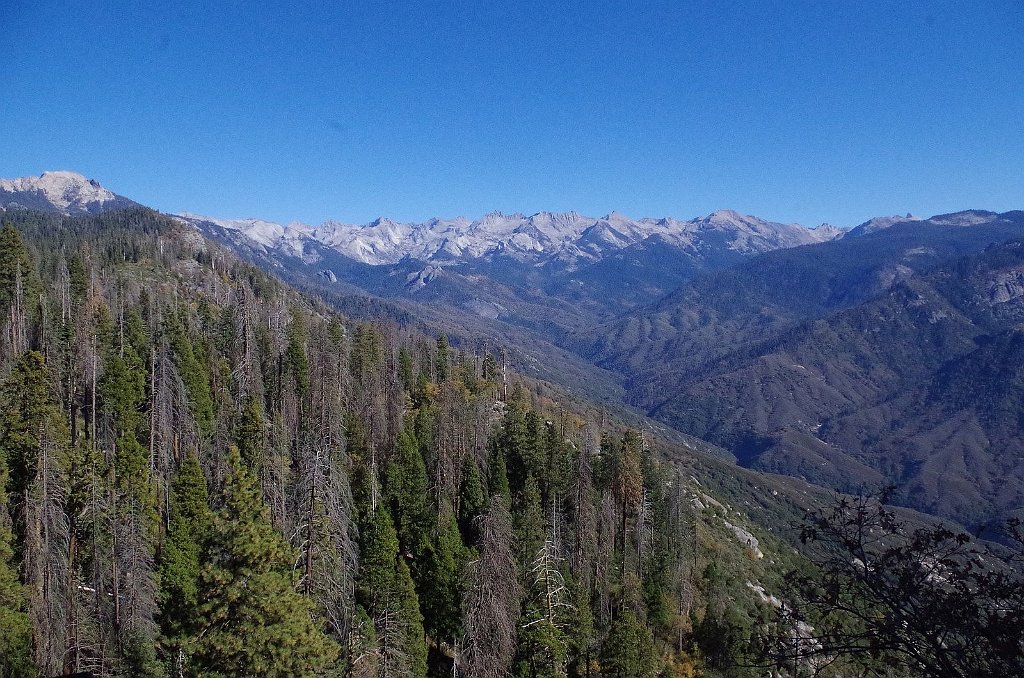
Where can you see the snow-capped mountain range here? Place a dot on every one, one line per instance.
(567, 236)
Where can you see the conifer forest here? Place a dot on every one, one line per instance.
(207, 473)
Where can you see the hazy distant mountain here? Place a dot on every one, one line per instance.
(549, 273)
(65, 192)
(884, 358)
(568, 237)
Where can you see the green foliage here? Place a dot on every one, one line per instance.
(542, 647)
(929, 601)
(193, 373)
(628, 651)
(250, 433)
(411, 637)
(255, 623)
(123, 400)
(15, 268)
(405, 370)
(30, 420)
(515, 443)
(139, 657)
(530, 520)
(498, 481)
(443, 358)
(378, 548)
(181, 556)
(386, 591)
(472, 502)
(379, 531)
(579, 629)
(296, 361)
(406, 493)
(441, 582)
(15, 629)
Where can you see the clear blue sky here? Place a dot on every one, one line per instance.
(795, 111)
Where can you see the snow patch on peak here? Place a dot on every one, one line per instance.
(566, 236)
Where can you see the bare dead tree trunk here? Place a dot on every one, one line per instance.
(491, 606)
(46, 557)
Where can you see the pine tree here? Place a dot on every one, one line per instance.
(255, 621)
(579, 630)
(472, 502)
(413, 649)
(180, 561)
(15, 628)
(441, 583)
(296, 361)
(628, 651)
(131, 497)
(386, 591)
(250, 434)
(407, 495)
(13, 261)
(193, 374)
(34, 445)
(498, 481)
(405, 369)
(529, 521)
(29, 414)
(443, 358)
(123, 392)
(18, 286)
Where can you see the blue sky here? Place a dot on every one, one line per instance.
(795, 111)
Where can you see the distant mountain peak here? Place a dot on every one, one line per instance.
(726, 214)
(62, 191)
(878, 223)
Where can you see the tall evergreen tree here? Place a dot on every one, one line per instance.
(255, 623)
(19, 288)
(628, 651)
(15, 628)
(34, 443)
(529, 521)
(385, 590)
(442, 358)
(181, 556)
(250, 433)
(296, 361)
(472, 501)
(407, 494)
(441, 582)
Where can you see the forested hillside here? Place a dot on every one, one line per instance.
(888, 358)
(203, 472)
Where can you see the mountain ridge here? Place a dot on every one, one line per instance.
(568, 236)
(63, 191)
